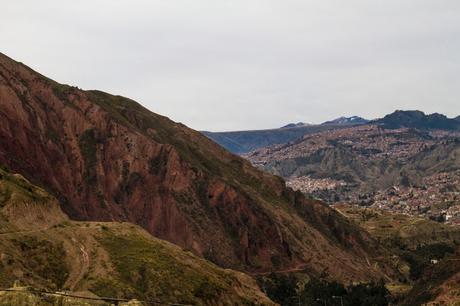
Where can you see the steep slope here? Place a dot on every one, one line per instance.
(107, 158)
(41, 247)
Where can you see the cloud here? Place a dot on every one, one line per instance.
(225, 65)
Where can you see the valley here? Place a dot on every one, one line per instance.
(147, 208)
(102, 199)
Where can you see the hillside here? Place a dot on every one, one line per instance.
(406, 170)
(418, 242)
(401, 231)
(439, 285)
(106, 158)
(42, 248)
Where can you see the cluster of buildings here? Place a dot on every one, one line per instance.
(368, 141)
(307, 184)
(438, 198)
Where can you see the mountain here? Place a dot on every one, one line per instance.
(240, 142)
(41, 247)
(295, 125)
(243, 142)
(107, 158)
(418, 120)
(347, 121)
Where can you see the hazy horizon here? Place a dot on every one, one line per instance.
(223, 66)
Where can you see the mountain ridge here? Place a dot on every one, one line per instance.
(347, 121)
(295, 125)
(243, 142)
(419, 120)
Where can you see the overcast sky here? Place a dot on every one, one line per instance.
(247, 64)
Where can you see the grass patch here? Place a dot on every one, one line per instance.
(44, 258)
(150, 270)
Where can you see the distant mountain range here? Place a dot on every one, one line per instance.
(353, 120)
(295, 125)
(241, 142)
(419, 120)
(348, 121)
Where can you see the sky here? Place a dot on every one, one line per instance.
(222, 65)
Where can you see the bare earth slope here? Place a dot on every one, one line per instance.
(106, 158)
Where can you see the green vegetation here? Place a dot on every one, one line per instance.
(298, 290)
(432, 281)
(52, 135)
(29, 296)
(88, 148)
(44, 258)
(401, 232)
(109, 259)
(420, 258)
(151, 272)
(14, 188)
(127, 185)
(62, 91)
(414, 242)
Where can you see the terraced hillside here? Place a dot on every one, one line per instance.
(428, 251)
(399, 230)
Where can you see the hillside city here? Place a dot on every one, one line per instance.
(435, 196)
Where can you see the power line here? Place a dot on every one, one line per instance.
(105, 299)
